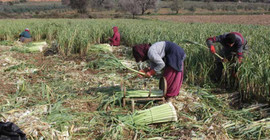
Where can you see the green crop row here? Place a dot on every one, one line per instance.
(31, 7)
(76, 36)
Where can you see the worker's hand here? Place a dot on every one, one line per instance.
(147, 69)
(141, 76)
(225, 60)
(150, 73)
(239, 60)
(212, 49)
(234, 74)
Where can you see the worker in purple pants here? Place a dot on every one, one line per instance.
(174, 57)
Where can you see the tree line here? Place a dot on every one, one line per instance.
(136, 7)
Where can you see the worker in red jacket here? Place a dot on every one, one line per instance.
(234, 48)
(115, 40)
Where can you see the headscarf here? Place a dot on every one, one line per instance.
(26, 29)
(140, 52)
(115, 29)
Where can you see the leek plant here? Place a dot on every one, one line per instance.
(77, 36)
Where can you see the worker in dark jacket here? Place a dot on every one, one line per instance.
(174, 63)
(25, 36)
(234, 47)
(233, 44)
(115, 40)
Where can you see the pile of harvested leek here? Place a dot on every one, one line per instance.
(157, 114)
(106, 59)
(133, 70)
(30, 47)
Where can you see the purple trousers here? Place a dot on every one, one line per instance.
(174, 80)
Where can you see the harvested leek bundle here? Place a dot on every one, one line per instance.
(157, 114)
(31, 47)
(100, 48)
(143, 93)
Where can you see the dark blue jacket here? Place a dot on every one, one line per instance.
(174, 55)
(238, 47)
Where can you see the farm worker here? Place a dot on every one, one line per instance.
(174, 64)
(25, 36)
(115, 40)
(234, 47)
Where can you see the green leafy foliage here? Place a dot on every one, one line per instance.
(75, 36)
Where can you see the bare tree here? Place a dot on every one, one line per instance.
(109, 4)
(79, 5)
(208, 1)
(65, 2)
(146, 4)
(130, 6)
(137, 6)
(99, 4)
(176, 5)
(96, 4)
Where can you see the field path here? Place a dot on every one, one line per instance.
(230, 19)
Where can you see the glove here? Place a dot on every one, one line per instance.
(150, 73)
(240, 60)
(212, 49)
(139, 75)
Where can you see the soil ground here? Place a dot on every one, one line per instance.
(229, 19)
(69, 100)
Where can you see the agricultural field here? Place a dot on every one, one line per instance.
(33, 10)
(76, 93)
(31, 7)
(228, 19)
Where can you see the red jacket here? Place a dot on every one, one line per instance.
(115, 40)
